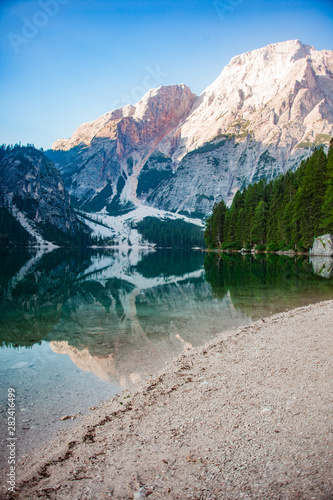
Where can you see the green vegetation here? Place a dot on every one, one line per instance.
(155, 170)
(27, 205)
(319, 140)
(286, 213)
(194, 215)
(11, 231)
(158, 157)
(210, 146)
(79, 238)
(101, 200)
(149, 180)
(26, 160)
(130, 165)
(171, 233)
(116, 207)
(98, 201)
(322, 139)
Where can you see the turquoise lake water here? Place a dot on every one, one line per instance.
(76, 327)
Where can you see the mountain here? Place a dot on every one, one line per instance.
(180, 152)
(102, 161)
(34, 204)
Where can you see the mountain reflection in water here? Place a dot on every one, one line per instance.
(121, 315)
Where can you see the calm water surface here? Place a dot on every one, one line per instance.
(76, 327)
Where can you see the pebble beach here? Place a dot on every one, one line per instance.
(246, 416)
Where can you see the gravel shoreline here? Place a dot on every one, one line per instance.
(246, 416)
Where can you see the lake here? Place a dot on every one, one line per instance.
(76, 327)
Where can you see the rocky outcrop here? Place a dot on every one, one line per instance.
(323, 245)
(32, 190)
(184, 153)
(109, 153)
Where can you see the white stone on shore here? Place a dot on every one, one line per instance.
(323, 245)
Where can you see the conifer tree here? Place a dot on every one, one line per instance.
(327, 207)
(259, 223)
(289, 211)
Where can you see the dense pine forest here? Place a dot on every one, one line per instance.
(171, 233)
(286, 213)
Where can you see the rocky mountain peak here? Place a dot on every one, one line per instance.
(258, 92)
(180, 152)
(160, 109)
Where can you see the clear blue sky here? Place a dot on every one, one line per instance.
(65, 62)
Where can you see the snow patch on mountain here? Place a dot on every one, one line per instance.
(121, 229)
(28, 224)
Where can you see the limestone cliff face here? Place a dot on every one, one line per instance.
(281, 94)
(180, 152)
(33, 191)
(111, 151)
(258, 119)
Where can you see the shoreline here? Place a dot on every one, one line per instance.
(287, 253)
(246, 415)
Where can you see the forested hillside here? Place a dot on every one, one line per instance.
(282, 214)
(34, 204)
(171, 233)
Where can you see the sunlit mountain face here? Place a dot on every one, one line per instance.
(180, 152)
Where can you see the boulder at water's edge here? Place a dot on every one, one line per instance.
(323, 245)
